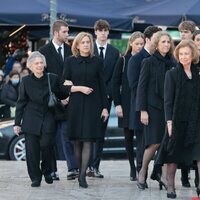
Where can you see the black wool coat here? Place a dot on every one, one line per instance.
(84, 111)
(120, 89)
(32, 111)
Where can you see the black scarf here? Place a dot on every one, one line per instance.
(193, 128)
(162, 65)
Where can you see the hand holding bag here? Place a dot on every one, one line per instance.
(52, 101)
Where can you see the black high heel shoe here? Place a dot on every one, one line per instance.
(157, 177)
(162, 184)
(141, 186)
(198, 191)
(171, 195)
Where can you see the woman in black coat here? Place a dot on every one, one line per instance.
(150, 99)
(89, 106)
(36, 120)
(9, 93)
(121, 95)
(182, 112)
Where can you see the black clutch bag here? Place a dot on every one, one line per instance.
(52, 101)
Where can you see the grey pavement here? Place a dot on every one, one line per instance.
(15, 185)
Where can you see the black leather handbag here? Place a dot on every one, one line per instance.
(52, 101)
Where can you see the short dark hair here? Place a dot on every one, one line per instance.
(12, 73)
(150, 30)
(196, 32)
(101, 24)
(57, 24)
(187, 25)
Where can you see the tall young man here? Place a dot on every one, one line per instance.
(55, 52)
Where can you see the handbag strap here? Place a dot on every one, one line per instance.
(123, 63)
(49, 84)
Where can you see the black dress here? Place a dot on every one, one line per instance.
(121, 90)
(84, 114)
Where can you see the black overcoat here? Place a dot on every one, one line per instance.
(84, 114)
(133, 73)
(150, 95)
(32, 111)
(121, 90)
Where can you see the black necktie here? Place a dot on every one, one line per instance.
(59, 53)
(101, 52)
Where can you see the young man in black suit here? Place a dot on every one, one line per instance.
(133, 73)
(110, 56)
(55, 52)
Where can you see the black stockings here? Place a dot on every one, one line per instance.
(171, 171)
(129, 134)
(82, 152)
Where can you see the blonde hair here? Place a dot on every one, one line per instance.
(156, 40)
(132, 38)
(192, 46)
(77, 41)
(33, 56)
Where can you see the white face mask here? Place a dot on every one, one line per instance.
(15, 81)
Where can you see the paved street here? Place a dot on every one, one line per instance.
(15, 185)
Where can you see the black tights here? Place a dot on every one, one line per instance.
(129, 134)
(82, 153)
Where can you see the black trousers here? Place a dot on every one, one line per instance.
(97, 149)
(39, 147)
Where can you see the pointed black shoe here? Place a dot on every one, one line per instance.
(35, 183)
(83, 184)
(141, 186)
(171, 195)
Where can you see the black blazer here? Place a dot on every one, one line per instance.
(54, 62)
(32, 111)
(133, 73)
(110, 60)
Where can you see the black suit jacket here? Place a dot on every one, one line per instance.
(110, 60)
(32, 111)
(54, 63)
(133, 73)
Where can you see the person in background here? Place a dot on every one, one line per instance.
(25, 71)
(186, 29)
(121, 95)
(2, 106)
(56, 52)
(133, 72)
(182, 105)
(150, 100)
(88, 106)
(110, 55)
(36, 120)
(9, 93)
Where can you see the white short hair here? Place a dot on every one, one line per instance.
(33, 56)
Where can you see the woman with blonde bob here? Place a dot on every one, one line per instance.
(182, 112)
(88, 106)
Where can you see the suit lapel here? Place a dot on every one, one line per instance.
(55, 53)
